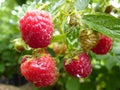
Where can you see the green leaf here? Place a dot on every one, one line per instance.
(20, 2)
(112, 61)
(55, 7)
(37, 1)
(118, 61)
(72, 38)
(26, 7)
(58, 38)
(116, 48)
(2, 68)
(81, 4)
(72, 84)
(105, 24)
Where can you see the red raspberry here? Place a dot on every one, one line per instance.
(36, 28)
(25, 58)
(103, 46)
(80, 67)
(40, 71)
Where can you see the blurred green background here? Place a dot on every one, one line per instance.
(106, 69)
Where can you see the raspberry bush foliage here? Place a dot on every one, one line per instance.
(78, 38)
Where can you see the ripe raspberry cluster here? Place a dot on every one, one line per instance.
(97, 43)
(36, 29)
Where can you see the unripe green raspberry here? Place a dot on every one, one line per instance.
(88, 39)
(74, 20)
